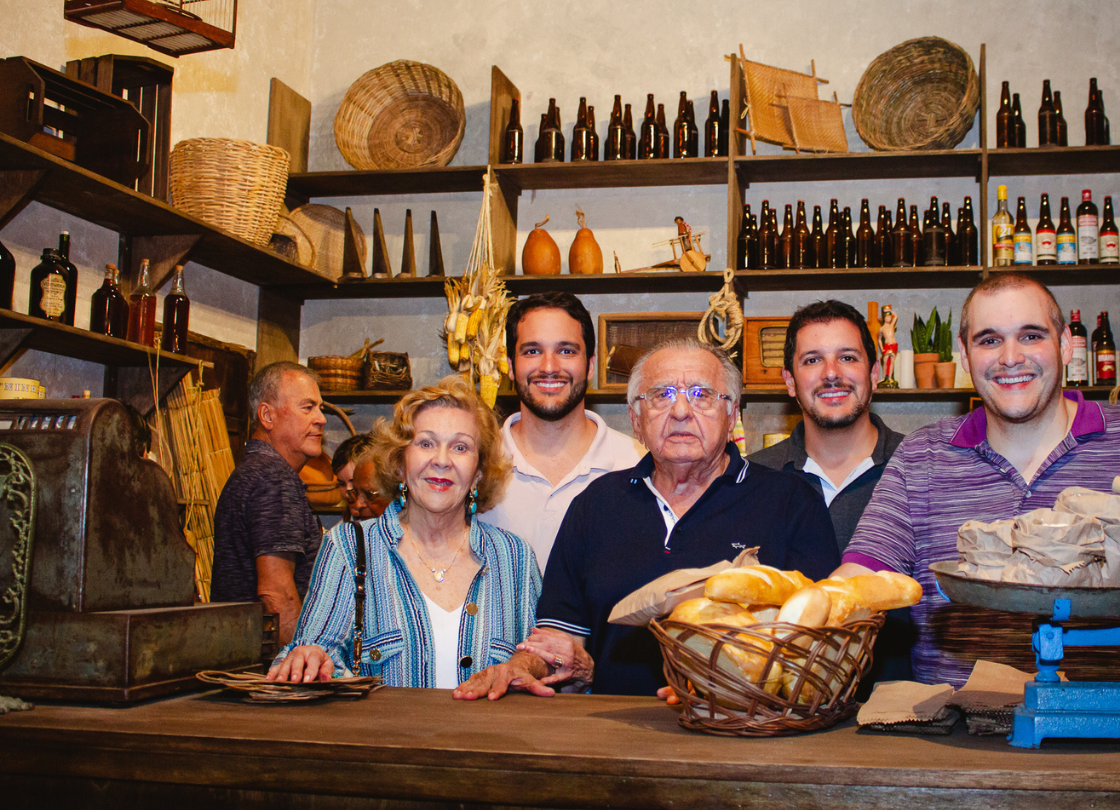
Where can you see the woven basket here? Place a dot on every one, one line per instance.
(387, 371)
(237, 186)
(337, 373)
(812, 675)
(400, 116)
(922, 94)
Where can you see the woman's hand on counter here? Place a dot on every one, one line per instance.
(303, 665)
(522, 672)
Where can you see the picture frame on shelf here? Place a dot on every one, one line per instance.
(625, 336)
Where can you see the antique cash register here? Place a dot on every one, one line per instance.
(105, 610)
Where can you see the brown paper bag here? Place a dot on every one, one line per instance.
(1105, 507)
(1057, 549)
(984, 548)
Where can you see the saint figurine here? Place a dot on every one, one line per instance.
(888, 347)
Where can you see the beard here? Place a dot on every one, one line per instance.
(550, 411)
(835, 421)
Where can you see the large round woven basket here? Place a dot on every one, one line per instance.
(237, 186)
(922, 94)
(807, 676)
(400, 116)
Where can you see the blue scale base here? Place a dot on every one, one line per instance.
(1087, 710)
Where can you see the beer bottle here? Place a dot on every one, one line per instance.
(916, 238)
(7, 276)
(1020, 126)
(176, 316)
(663, 138)
(1094, 117)
(1110, 239)
(832, 235)
(865, 237)
(693, 131)
(49, 279)
(581, 135)
(647, 142)
(881, 246)
(629, 137)
(142, 310)
(594, 134)
(1021, 252)
(712, 131)
(1077, 369)
(1005, 119)
(950, 249)
(767, 238)
(785, 241)
(557, 137)
(724, 127)
(514, 141)
(847, 241)
(933, 237)
(1105, 360)
(1066, 237)
(748, 242)
(817, 255)
(1045, 235)
(108, 309)
(540, 149)
(968, 236)
(1062, 127)
(800, 249)
(1047, 118)
(616, 134)
(1088, 228)
(1003, 243)
(902, 249)
(680, 129)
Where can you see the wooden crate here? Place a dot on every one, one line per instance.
(763, 344)
(642, 330)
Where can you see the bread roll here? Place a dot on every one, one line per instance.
(844, 602)
(705, 611)
(748, 664)
(809, 607)
(883, 590)
(755, 585)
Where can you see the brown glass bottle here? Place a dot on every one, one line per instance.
(748, 242)
(176, 316)
(865, 237)
(1045, 235)
(1105, 354)
(767, 238)
(933, 237)
(881, 246)
(968, 236)
(1107, 135)
(108, 309)
(142, 310)
(785, 240)
(693, 131)
(513, 144)
(724, 127)
(616, 133)
(663, 138)
(1094, 117)
(647, 140)
(540, 147)
(72, 278)
(680, 128)
(7, 276)
(1047, 118)
(712, 127)
(1077, 369)
(832, 235)
(629, 137)
(799, 251)
(553, 148)
(1062, 127)
(1020, 125)
(581, 135)
(846, 243)
(594, 134)
(1005, 119)
(47, 296)
(817, 256)
(950, 248)
(915, 227)
(902, 249)
(1021, 237)
(1109, 243)
(1066, 236)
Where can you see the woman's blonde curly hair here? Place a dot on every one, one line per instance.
(391, 438)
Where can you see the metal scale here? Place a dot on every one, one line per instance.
(1051, 708)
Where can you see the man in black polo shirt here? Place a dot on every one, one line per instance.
(265, 535)
(691, 502)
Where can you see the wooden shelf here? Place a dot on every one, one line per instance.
(858, 278)
(1062, 160)
(1056, 275)
(70, 188)
(617, 173)
(858, 166)
(354, 183)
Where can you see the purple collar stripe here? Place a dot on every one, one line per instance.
(1089, 418)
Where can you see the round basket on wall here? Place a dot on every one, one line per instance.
(922, 94)
(400, 116)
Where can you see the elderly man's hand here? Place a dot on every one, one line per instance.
(303, 665)
(563, 654)
(522, 672)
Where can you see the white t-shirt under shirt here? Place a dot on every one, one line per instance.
(445, 638)
(830, 490)
(532, 508)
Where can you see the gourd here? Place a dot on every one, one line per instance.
(541, 255)
(585, 256)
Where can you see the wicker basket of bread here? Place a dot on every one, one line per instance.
(769, 653)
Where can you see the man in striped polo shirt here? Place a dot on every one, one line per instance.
(1017, 453)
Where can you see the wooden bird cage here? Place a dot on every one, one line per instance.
(173, 27)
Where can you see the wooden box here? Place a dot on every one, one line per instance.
(640, 330)
(764, 341)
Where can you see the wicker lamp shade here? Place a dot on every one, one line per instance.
(400, 116)
(922, 94)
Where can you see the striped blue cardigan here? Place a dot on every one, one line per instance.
(398, 633)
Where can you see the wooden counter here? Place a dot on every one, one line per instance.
(211, 750)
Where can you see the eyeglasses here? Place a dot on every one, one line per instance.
(700, 397)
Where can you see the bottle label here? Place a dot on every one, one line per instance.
(1022, 249)
(1046, 245)
(1087, 228)
(53, 302)
(1077, 370)
(1003, 246)
(1067, 248)
(1110, 248)
(1106, 366)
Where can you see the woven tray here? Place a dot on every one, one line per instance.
(325, 227)
(811, 675)
(292, 242)
(259, 690)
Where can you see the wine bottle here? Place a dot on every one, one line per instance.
(881, 246)
(663, 138)
(1061, 127)
(680, 128)
(616, 133)
(108, 309)
(142, 309)
(785, 240)
(514, 141)
(1020, 125)
(1045, 235)
(916, 237)
(1021, 237)
(49, 279)
(1003, 243)
(1077, 369)
(902, 249)
(1066, 236)
(1088, 228)
(712, 130)
(865, 237)
(950, 248)
(7, 276)
(968, 236)
(800, 249)
(817, 255)
(933, 237)
(176, 316)
(832, 235)
(1105, 359)
(71, 280)
(1094, 117)
(724, 127)
(594, 134)
(581, 135)
(629, 137)
(1110, 238)
(1047, 118)
(1005, 119)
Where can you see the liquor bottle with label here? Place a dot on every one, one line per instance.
(767, 238)
(629, 137)
(1020, 125)
(968, 236)
(72, 278)
(800, 250)
(1105, 354)
(902, 249)
(513, 144)
(881, 244)
(680, 128)
(616, 134)
(581, 135)
(1005, 119)
(176, 316)
(865, 237)
(1088, 228)
(1094, 117)
(785, 240)
(1045, 235)
(1022, 239)
(933, 237)
(1110, 239)
(663, 138)
(1094, 339)
(817, 255)
(7, 276)
(49, 280)
(724, 127)
(712, 130)
(950, 249)
(647, 140)
(1066, 237)
(1077, 369)
(142, 309)
(594, 134)
(832, 235)
(1062, 126)
(1003, 244)
(693, 131)
(108, 309)
(846, 243)
(915, 227)
(1047, 118)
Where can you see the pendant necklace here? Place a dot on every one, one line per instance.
(438, 574)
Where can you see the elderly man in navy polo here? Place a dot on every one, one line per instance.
(1017, 453)
(690, 502)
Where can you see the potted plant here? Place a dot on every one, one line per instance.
(945, 370)
(922, 339)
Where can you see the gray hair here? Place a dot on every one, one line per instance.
(732, 376)
(265, 386)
